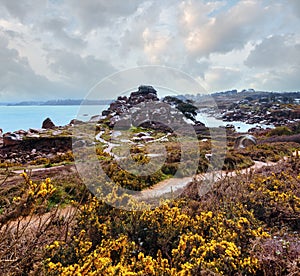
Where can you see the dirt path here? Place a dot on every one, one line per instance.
(175, 185)
(38, 222)
(41, 170)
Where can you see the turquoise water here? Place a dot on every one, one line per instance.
(13, 118)
(210, 121)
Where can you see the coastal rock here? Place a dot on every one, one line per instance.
(79, 144)
(123, 104)
(244, 141)
(37, 131)
(57, 132)
(11, 139)
(93, 119)
(144, 109)
(75, 122)
(32, 135)
(48, 124)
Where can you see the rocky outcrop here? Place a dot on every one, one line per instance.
(244, 141)
(11, 139)
(28, 149)
(261, 113)
(123, 103)
(48, 124)
(22, 146)
(144, 109)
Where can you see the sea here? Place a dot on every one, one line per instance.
(14, 118)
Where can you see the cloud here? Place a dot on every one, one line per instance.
(275, 51)
(68, 45)
(224, 32)
(295, 5)
(57, 28)
(77, 71)
(18, 80)
(140, 27)
(93, 14)
(277, 80)
(23, 9)
(276, 62)
(222, 78)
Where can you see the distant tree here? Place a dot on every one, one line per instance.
(186, 107)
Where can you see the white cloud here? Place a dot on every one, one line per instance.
(227, 30)
(222, 78)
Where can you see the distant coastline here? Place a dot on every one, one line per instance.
(59, 102)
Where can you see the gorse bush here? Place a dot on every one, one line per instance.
(227, 232)
(247, 224)
(163, 241)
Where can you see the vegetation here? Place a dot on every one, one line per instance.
(279, 131)
(245, 224)
(186, 107)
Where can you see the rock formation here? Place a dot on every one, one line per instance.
(143, 108)
(244, 141)
(48, 124)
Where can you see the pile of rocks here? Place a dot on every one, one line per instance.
(262, 114)
(124, 103)
(143, 108)
(23, 146)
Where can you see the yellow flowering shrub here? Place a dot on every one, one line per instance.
(275, 198)
(163, 241)
(230, 231)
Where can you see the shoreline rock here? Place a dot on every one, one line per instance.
(48, 124)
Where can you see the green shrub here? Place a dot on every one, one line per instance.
(279, 131)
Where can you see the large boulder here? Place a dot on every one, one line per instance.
(244, 141)
(11, 139)
(48, 124)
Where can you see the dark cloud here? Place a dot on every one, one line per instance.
(18, 80)
(77, 71)
(57, 28)
(23, 9)
(93, 14)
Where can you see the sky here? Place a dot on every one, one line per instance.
(59, 49)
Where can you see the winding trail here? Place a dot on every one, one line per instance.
(39, 222)
(176, 185)
(165, 187)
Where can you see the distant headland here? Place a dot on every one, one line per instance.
(60, 102)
